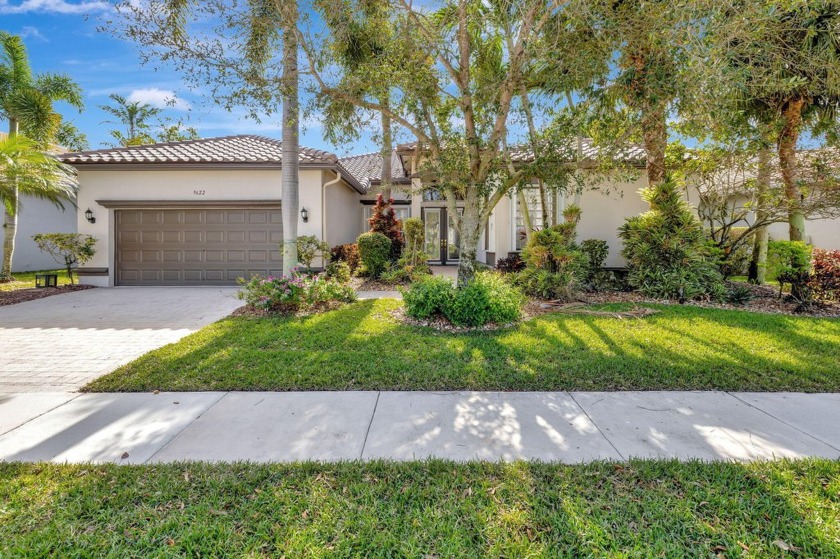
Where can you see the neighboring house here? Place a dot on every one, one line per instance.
(206, 212)
(39, 216)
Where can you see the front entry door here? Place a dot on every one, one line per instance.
(443, 244)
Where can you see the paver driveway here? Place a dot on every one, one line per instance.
(61, 343)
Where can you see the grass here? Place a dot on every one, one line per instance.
(422, 509)
(363, 347)
(26, 280)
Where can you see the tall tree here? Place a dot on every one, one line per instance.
(25, 170)
(786, 65)
(462, 68)
(232, 55)
(26, 102)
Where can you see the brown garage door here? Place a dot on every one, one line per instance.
(196, 246)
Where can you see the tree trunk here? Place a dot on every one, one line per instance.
(655, 132)
(526, 214)
(758, 262)
(387, 148)
(10, 221)
(532, 133)
(470, 228)
(788, 137)
(290, 148)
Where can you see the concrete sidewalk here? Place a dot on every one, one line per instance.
(284, 426)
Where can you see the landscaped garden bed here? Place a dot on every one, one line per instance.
(364, 347)
(23, 289)
(423, 509)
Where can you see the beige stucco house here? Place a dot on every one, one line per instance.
(206, 212)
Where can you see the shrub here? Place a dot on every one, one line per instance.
(288, 294)
(374, 252)
(384, 220)
(415, 234)
(486, 298)
(428, 297)
(596, 251)
(666, 249)
(739, 295)
(510, 265)
(67, 248)
(555, 265)
(348, 253)
(338, 271)
(825, 276)
(309, 247)
(276, 294)
(789, 263)
(736, 261)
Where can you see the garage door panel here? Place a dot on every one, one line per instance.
(195, 247)
(236, 237)
(215, 236)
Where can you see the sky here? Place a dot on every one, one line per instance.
(61, 37)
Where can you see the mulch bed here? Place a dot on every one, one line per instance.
(367, 284)
(31, 294)
(317, 308)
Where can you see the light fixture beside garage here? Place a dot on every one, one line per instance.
(304, 215)
(89, 216)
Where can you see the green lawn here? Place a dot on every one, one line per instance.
(425, 509)
(26, 280)
(363, 347)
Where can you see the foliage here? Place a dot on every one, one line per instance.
(291, 293)
(384, 220)
(555, 265)
(309, 247)
(25, 170)
(67, 248)
(825, 275)
(415, 235)
(666, 248)
(375, 251)
(144, 123)
(486, 298)
(739, 295)
(339, 271)
(403, 271)
(510, 264)
(596, 252)
(789, 263)
(348, 253)
(428, 297)
(682, 347)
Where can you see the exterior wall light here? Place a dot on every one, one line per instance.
(89, 216)
(304, 215)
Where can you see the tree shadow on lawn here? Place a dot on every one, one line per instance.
(432, 508)
(363, 347)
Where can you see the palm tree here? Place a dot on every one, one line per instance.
(25, 170)
(268, 21)
(135, 116)
(26, 101)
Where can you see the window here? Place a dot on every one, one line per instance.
(532, 199)
(402, 212)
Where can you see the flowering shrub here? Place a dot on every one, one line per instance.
(289, 294)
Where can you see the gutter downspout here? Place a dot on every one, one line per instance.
(336, 180)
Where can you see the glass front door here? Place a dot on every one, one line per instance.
(443, 244)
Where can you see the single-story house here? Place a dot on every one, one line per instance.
(206, 212)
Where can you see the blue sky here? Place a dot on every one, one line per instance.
(61, 37)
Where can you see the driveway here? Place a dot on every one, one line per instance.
(61, 343)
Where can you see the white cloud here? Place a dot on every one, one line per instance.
(53, 6)
(160, 98)
(29, 31)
